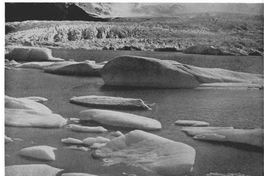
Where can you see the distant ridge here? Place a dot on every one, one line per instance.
(55, 11)
(107, 11)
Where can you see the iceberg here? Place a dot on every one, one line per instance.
(150, 152)
(110, 102)
(120, 119)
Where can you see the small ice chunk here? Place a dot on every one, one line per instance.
(116, 133)
(228, 174)
(8, 139)
(71, 141)
(41, 152)
(191, 123)
(80, 128)
(92, 140)
(210, 137)
(80, 148)
(89, 141)
(37, 99)
(97, 145)
(77, 174)
(100, 139)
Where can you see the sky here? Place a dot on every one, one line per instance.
(172, 9)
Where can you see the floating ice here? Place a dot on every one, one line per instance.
(8, 139)
(150, 152)
(92, 140)
(120, 119)
(227, 134)
(71, 141)
(27, 112)
(75, 68)
(31, 170)
(137, 71)
(31, 118)
(191, 123)
(35, 65)
(80, 148)
(88, 129)
(26, 103)
(77, 174)
(110, 102)
(31, 54)
(41, 152)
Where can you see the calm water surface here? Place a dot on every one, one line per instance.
(237, 108)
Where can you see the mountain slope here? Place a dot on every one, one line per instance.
(56, 11)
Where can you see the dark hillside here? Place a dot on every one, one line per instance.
(48, 11)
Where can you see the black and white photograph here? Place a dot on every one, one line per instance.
(133, 88)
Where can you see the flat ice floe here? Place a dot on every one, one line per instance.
(110, 102)
(31, 118)
(37, 99)
(227, 134)
(29, 103)
(85, 68)
(228, 174)
(97, 145)
(191, 123)
(41, 152)
(35, 65)
(79, 148)
(231, 86)
(28, 112)
(120, 119)
(31, 170)
(71, 141)
(88, 129)
(77, 174)
(23, 53)
(150, 152)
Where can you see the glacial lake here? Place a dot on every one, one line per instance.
(240, 108)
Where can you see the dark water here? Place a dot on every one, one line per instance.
(222, 107)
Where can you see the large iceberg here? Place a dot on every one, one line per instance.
(137, 71)
(150, 152)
